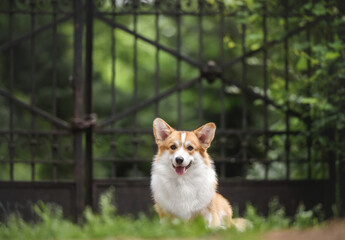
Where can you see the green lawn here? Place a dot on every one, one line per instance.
(108, 225)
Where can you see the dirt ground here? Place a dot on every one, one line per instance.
(335, 230)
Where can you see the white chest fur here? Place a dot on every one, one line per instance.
(185, 195)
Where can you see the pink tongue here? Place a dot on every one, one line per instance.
(180, 170)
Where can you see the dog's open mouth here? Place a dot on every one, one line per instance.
(180, 169)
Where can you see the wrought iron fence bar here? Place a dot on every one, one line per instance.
(224, 160)
(264, 29)
(262, 161)
(143, 104)
(273, 42)
(29, 162)
(135, 65)
(38, 12)
(33, 142)
(286, 77)
(14, 42)
(54, 146)
(152, 12)
(244, 96)
(84, 178)
(222, 107)
(11, 144)
(178, 63)
(81, 169)
(135, 89)
(219, 131)
(58, 122)
(123, 159)
(222, 127)
(309, 120)
(222, 98)
(36, 132)
(157, 66)
(123, 131)
(221, 37)
(113, 90)
(194, 13)
(200, 56)
(257, 132)
(160, 46)
(167, 13)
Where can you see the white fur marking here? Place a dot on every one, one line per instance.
(183, 138)
(182, 152)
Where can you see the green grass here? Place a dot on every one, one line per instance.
(107, 224)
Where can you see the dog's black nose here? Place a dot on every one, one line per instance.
(179, 160)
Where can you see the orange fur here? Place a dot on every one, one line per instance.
(220, 204)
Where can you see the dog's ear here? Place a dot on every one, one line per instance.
(161, 130)
(205, 134)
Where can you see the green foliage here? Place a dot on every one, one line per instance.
(107, 224)
(276, 218)
(51, 226)
(315, 71)
(307, 218)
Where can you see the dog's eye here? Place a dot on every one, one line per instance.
(190, 148)
(173, 147)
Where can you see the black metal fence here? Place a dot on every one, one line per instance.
(78, 105)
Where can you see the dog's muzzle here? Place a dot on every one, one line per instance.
(180, 170)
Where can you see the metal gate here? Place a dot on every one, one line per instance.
(188, 62)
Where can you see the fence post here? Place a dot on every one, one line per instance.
(88, 102)
(341, 187)
(78, 106)
(341, 132)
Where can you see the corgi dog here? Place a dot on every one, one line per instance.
(183, 178)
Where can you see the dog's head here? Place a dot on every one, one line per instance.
(183, 147)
